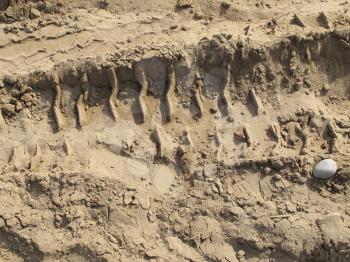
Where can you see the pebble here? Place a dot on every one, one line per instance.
(325, 88)
(325, 169)
(225, 4)
(307, 83)
(10, 79)
(34, 13)
(26, 98)
(237, 211)
(19, 106)
(344, 173)
(277, 164)
(198, 15)
(184, 3)
(8, 109)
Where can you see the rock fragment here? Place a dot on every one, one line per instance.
(225, 5)
(19, 106)
(9, 110)
(198, 15)
(323, 20)
(184, 3)
(34, 13)
(344, 174)
(297, 21)
(10, 80)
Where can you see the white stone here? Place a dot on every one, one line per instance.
(325, 169)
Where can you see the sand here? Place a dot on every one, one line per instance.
(174, 130)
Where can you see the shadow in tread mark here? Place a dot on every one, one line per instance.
(21, 246)
(4, 4)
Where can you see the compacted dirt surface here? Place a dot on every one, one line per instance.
(174, 130)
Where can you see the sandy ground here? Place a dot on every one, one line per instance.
(165, 130)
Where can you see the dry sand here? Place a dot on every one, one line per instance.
(165, 130)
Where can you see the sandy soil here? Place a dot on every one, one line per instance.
(174, 130)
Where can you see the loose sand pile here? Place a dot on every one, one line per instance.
(168, 130)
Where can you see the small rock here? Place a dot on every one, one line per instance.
(267, 170)
(10, 80)
(298, 85)
(344, 173)
(213, 110)
(4, 99)
(215, 42)
(325, 169)
(13, 100)
(302, 180)
(277, 177)
(325, 88)
(12, 223)
(19, 106)
(324, 21)
(237, 211)
(209, 170)
(184, 28)
(9, 109)
(128, 197)
(240, 254)
(184, 3)
(26, 89)
(307, 83)
(297, 21)
(198, 15)
(277, 164)
(34, 13)
(40, 6)
(230, 119)
(14, 93)
(291, 207)
(270, 75)
(27, 98)
(225, 5)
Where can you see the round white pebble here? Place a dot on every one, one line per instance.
(325, 169)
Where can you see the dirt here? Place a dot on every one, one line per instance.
(165, 130)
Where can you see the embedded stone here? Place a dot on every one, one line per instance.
(184, 3)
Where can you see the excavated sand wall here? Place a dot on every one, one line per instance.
(140, 131)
